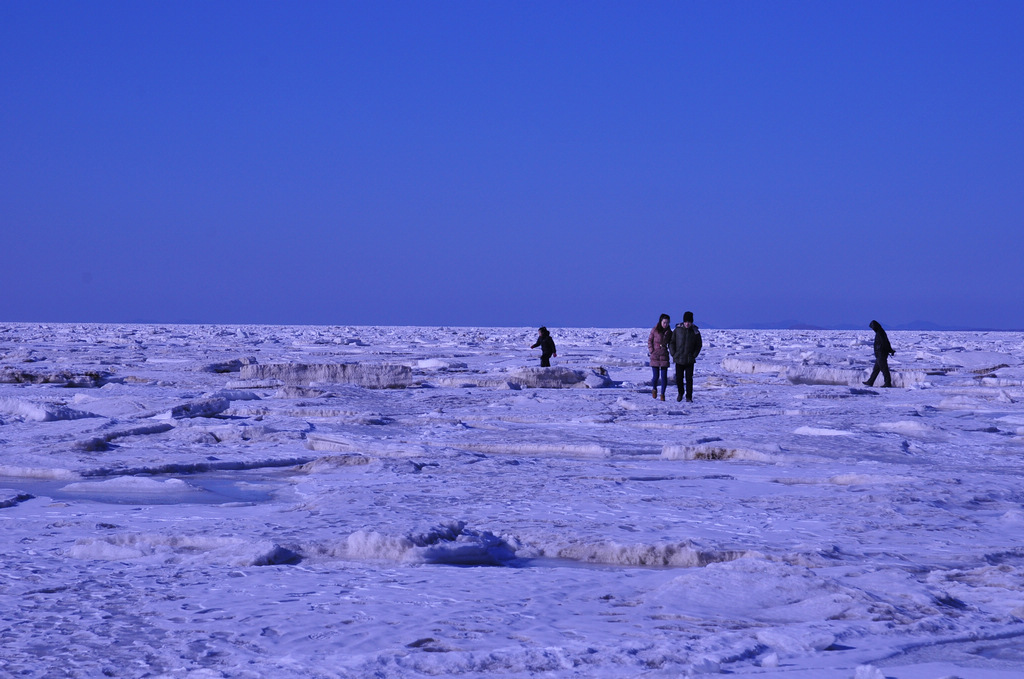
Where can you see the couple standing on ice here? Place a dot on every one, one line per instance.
(683, 344)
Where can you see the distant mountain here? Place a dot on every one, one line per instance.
(928, 325)
(796, 325)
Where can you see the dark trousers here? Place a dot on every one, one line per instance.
(660, 374)
(545, 360)
(881, 366)
(684, 374)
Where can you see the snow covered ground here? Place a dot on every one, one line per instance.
(254, 501)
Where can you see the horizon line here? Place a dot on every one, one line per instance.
(914, 326)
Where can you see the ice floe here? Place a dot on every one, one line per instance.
(343, 501)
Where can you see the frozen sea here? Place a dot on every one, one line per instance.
(315, 501)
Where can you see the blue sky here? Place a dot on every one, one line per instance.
(513, 163)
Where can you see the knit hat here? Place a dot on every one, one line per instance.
(688, 317)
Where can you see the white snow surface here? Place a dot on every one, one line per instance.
(446, 508)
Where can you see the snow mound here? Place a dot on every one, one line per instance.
(369, 375)
(967, 402)
(981, 362)
(329, 462)
(40, 412)
(1014, 517)
(821, 431)
(440, 364)
(451, 543)
(337, 443)
(540, 449)
(906, 428)
(795, 639)
(182, 549)
(133, 485)
(867, 479)
(868, 672)
(754, 588)
(714, 451)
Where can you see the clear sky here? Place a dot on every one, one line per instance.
(513, 163)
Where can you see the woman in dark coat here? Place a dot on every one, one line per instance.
(657, 349)
(883, 350)
(547, 347)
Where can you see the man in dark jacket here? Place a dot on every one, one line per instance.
(883, 350)
(685, 346)
(547, 347)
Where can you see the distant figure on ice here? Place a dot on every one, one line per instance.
(883, 350)
(657, 348)
(547, 347)
(685, 345)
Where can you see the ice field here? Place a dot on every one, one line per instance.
(271, 501)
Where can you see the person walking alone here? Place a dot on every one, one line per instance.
(657, 349)
(547, 347)
(883, 350)
(685, 346)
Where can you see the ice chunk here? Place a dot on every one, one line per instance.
(232, 366)
(846, 377)
(330, 462)
(100, 442)
(548, 378)
(598, 379)
(234, 395)
(9, 498)
(715, 451)
(370, 375)
(207, 407)
(88, 379)
(677, 554)
(451, 543)
(742, 365)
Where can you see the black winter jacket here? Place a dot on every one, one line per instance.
(882, 347)
(547, 346)
(686, 344)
